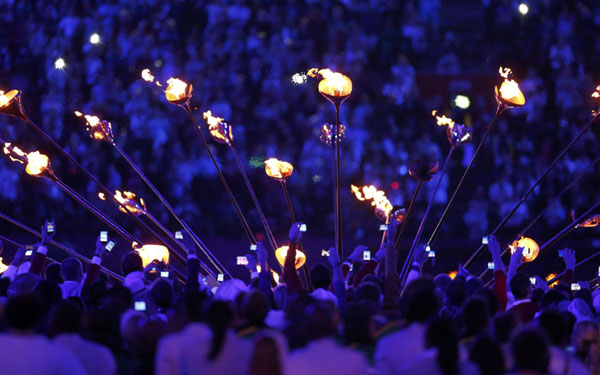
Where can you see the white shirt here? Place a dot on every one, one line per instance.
(168, 353)
(233, 359)
(325, 356)
(70, 289)
(35, 354)
(134, 281)
(95, 358)
(426, 363)
(324, 295)
(398, 348)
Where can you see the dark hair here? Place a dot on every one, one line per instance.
(529, 350)
(551, 299)
(66, 317)
(475, 316)
(488, 356)
(441, 335)
(520, 286)
(537, 295)
(368, 291)
(23, 312)
(418, 301)
(266, 357)
(441, 281)
(96, 292)
(455, 292)
(162, 294)
(320, 277)
(319, 320)
(553, 323)
(473, 285)
(70, 269)
(118, 298)
(219, 318)
(194, 306)
(256, 308)
(491, 299)
(48, 292)
(52, 273)
(357, 323)
(4, 284)
(504, 324)
(131, 262)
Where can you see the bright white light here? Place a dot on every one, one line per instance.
(462, 101)
(95, 38)
(523, 9)
(299, 78)
(60, 63)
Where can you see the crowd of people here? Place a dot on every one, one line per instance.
(350, 316)
(240, 56)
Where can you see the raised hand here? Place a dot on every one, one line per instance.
(493, 246)
(420, 254)
(541, 283)
(295, 232)
(334, 258)
(462, 271)
(261, 253)
(357, 254)
(252, 262)
(100, 248)
(46, 236)
(569, 258)
(517, 257)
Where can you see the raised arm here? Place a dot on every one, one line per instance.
(569, 259)
(339, 289)
(515, 260)
(290, 276)
(39, 257)
(499, 273)
(93, 270)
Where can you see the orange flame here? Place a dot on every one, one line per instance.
(452, 274)
(149, 253)
(278, 169)
(281, 254)
(9, 150)
(102, 196)
(128, 199)
(590, 222)
(379, 200)
(509, 91)
(443, 120)
(177, 91)
(3, 99)
(218, 128)
(333, 83)
(3, 267)
(36, 163)
(596, 93)
(99, 129)
(530, 248)
(550, 277)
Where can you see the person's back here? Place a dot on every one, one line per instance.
(65, 321)
(521, 290)
(323, 355)
(25, 352)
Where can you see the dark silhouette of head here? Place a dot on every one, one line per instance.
(529, 348)
(357, 323)
(368, 291)
(475, 316)
(320, 277)
(71, 269)
(455, 292)
(504, 324)
(520, 286)
(419, 302)
(65, 317)
(552, 299)
(553, 323)
(52, 273)
(131, 262)
(488, 356)
(441, 335)
(219, 317)
(23, 312)
(255, 308)
(320, 320)
(266, 357)
(162, 294)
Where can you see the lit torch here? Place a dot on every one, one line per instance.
(102, 130)
(508, 95)
(222, 132)
(336, 88)
(281, 254)
(150, 253)
(179, 93)
(38, 165)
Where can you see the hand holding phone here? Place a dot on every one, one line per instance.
(140, 306)
(532, 280)
(50, 226)
(367, 255)
(383, 227)
(242, 261)
(110, 245)
(178, 235)
(103, 236)
(575, 286)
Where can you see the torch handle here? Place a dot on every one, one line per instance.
(103, 188)
(197, 240)
(293, 219)
(245, 225)
(537, 182)
(59, 245)
(408, 213)
(415, 242)
(462, 179)
(338, 202)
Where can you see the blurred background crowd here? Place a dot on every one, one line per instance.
(405, 58)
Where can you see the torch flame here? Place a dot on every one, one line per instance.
(36, 163)
(3, 99)
(3, 266)
(148, 77)
(549, 277)
(149, 253)
(530, 248)
(6, 98)
(10, 150)
(509, 92)
(219, 129)
(99, 129)
(443, 120)
(128, 199)
(333, 83)
(591, 222)
(281, 254)
(596, 93)
(102, 196)
(177, 91)
(452, 274)
(278, 169)
(379, 200)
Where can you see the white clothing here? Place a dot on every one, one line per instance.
(557, 363)
(70, 289)
(325, 356)
(398, 348)
(95, 358)
(168, 358)
(35, 354)
(426, 363)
